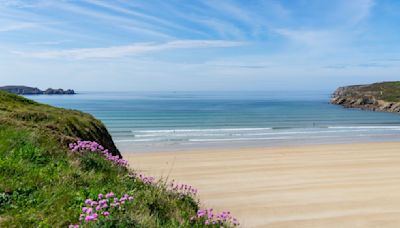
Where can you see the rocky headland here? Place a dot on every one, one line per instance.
(382, 97)
(25, 90)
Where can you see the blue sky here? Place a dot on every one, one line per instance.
(198, 45)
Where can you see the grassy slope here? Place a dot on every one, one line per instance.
(43, 184)
(66, 125)
(390, 91)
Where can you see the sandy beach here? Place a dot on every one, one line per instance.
(349, 185)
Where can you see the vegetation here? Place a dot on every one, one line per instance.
(387, 91)
(65, 126)
(43, 183)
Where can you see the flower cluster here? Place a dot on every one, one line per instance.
(145, 179)
(82, 146)
(183, 189)
(101, 209)
(210, 218)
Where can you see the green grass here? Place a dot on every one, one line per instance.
(43, 184)
(66, 125)
(387, 91)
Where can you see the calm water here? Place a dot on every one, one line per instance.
(178, 120)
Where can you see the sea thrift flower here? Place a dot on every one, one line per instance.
(89, 146)
(90, 215)
(183, 189)
(109, 195)
(93, 203)
(209, 217)
(145, 179)
(89, 210)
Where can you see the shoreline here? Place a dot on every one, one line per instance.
(330, 185)
(251, 144)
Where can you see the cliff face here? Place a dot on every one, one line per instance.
(384, 97)
(65, 125)
(25, 90)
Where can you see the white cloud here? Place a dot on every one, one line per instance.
(129, 50)
(17, 26)
(358, 10)
(311, 38)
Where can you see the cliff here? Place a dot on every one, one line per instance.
(66, 125)
(44, 182)
(25, 90)
(384, 97)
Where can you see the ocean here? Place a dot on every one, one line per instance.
(170, 121)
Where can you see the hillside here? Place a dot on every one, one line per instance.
(65, 125)
(384, 96)
(50, 179)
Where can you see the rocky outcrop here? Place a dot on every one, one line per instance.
(381, 97)
(25, 90)
(51, 91)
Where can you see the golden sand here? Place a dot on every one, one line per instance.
(349, 185)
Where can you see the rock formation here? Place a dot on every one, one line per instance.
(25, 90)
(383, 97)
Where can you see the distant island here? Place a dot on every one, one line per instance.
(383, 96)
(25, 90)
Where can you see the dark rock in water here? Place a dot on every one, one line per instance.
(25, 90)
(58, 91)
(382, 97)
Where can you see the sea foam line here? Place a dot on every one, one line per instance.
(200, 130)
(245, 134)
(365, 127)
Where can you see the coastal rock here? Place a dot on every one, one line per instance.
(58, 91)
(25, 90)
(383, 97)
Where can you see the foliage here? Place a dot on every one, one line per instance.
(44, 184)
(66, 126)
(387, 91)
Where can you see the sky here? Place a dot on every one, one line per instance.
(198, 45)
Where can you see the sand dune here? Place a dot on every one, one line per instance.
(355, 185)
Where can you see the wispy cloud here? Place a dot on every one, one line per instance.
(242, 66)
(17, 26)
(310, 37)
(50, 43)
(130, 50)
(358, 10)
(358, 65)
(107, 18)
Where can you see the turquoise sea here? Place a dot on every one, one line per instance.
(162, 121)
